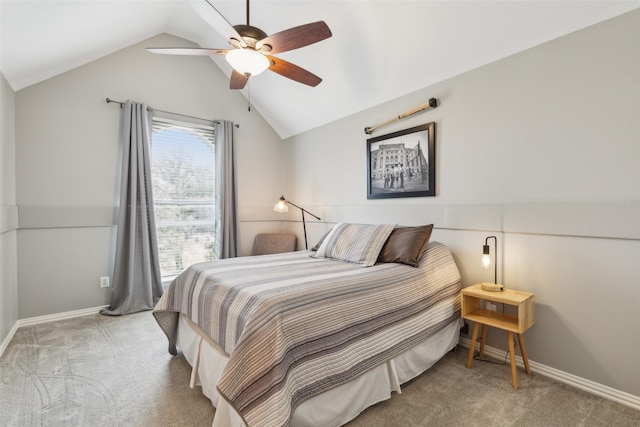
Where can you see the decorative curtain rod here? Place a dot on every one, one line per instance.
(109, 100)
(432, 103)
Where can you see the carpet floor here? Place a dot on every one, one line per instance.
(116, 371)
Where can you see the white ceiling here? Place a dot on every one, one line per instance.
(379, 51)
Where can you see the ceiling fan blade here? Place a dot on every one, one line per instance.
(195, 51)
(238, 80)
(293, 72)
(211, 16)
(296, 37)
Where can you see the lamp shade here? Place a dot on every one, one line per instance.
(247, 61)
(281, 206)
(486, 257)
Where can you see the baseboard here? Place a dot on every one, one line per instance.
(60, 316)
(8, 338)
(589, 386)
(45, 319)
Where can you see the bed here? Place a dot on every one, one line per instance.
(312, 338)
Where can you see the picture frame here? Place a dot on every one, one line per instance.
(402, 163)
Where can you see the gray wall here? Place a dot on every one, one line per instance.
(541, 149)
(8, 213)
(67, 155)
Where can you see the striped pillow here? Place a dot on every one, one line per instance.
(357, 243)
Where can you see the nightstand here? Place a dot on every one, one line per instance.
(523, 320)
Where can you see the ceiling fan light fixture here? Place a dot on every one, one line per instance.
(247, 61)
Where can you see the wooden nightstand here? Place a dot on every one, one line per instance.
(523, 320)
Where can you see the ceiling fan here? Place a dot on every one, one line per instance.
(252, 49)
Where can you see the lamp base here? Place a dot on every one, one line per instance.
(492, 287)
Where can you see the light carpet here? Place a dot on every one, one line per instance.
(116, 371)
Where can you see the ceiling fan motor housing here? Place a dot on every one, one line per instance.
(252, 35)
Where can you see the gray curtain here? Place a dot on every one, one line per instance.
(137, 284)
(227, 241)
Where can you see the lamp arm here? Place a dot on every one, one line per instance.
(303, 210)
(304, 223)
(304, 228)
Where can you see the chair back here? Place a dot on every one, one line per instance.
(274, 243)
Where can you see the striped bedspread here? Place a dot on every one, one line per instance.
(294, 326)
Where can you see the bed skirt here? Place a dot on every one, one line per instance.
(334, 407)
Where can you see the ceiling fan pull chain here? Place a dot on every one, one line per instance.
(249, 90)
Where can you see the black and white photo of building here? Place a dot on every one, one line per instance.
(399, 166)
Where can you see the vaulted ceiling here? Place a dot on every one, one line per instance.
(379, 50)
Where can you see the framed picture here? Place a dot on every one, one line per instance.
(402, 164)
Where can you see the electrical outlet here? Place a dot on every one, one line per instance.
(104, 282)
(491, 306)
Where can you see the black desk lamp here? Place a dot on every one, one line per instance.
(282, 206)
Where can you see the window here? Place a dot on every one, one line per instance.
(183, 177)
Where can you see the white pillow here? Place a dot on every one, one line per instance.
(357, 243)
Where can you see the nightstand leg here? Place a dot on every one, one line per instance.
(474, 338)
(523, 350)
(483, 338)
(512, 359)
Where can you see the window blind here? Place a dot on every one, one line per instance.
(183, 176)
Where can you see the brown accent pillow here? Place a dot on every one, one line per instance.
(406, 245)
